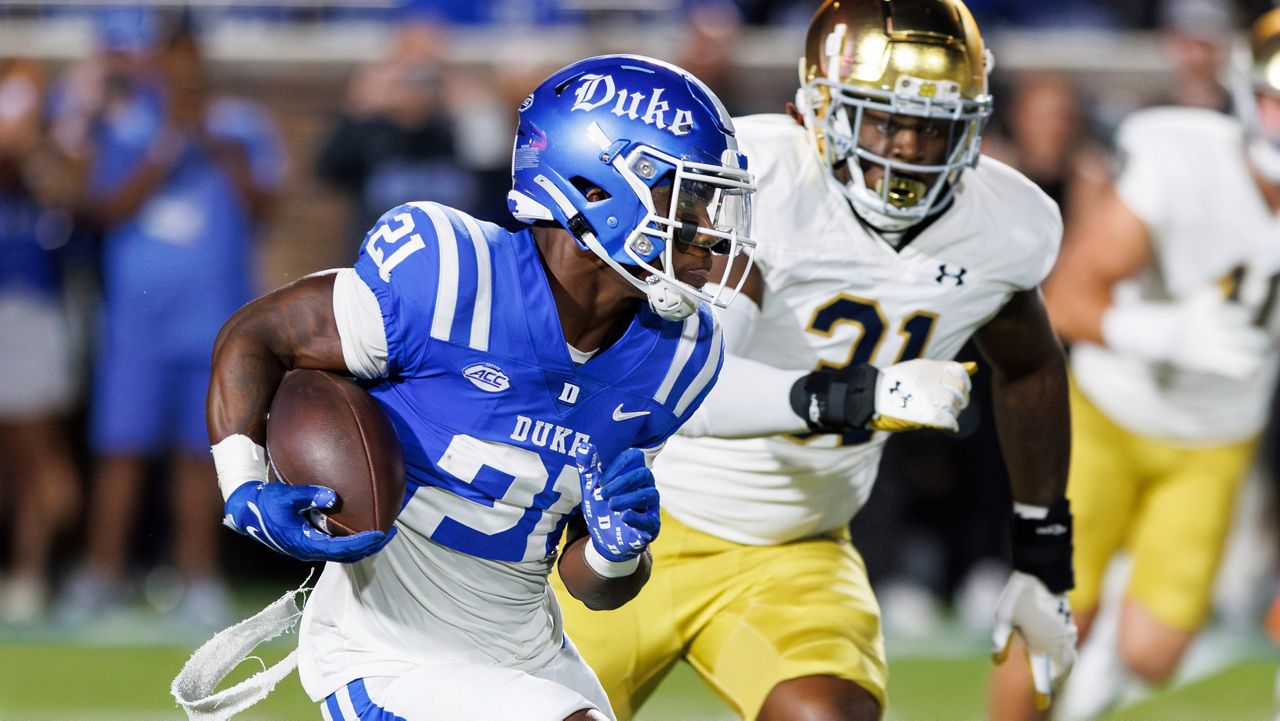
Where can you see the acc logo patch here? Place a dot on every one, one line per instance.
(487, 377)
(528, 103)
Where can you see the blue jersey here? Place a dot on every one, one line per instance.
(484, 395)
(175, 270)
(25, 266)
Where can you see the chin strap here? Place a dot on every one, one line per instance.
(669, 302)
(875, 219)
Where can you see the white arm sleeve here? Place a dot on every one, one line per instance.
(651, 454)
(751, 398)
(364, 340)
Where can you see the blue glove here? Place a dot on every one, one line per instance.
(620, 505)
(275, 515)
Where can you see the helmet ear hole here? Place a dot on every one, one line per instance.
(592, 192)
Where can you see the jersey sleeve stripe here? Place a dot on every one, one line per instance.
(705, 375)
(483, 300)
(447, 289)
(688, 339)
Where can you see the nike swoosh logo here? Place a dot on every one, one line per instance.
(621, 415)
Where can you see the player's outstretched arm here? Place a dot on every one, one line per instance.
(293, 327)
(1030, 401)
(1208, 332)
(753, 399)
(609, 564)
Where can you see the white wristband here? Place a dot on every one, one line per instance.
(606, 568)
(239, 461)
(1030, 512)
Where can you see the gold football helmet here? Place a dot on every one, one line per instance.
(1258, 75)
(921, 58)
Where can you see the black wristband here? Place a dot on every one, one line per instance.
(835, 401)
(1042, 547)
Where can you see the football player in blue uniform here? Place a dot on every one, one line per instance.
(531, 376)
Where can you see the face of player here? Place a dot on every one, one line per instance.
(906, 138)
(692, 255)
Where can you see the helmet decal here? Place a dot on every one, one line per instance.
(595, 91)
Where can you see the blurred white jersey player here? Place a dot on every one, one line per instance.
(887, 250)
(1169, 291)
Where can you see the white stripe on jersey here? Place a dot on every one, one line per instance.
(345, 706)
(324, 711)
(483, 300)
(688, 339)
(447, 290)
(701, 380)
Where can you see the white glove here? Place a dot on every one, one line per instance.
(921, 393)
(1205, 333)
(1043, 619)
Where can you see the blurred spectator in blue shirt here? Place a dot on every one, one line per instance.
(38, 483)
(177, 181)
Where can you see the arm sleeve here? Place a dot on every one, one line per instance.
(751, 398)
(651, 453)
(400, 263)
(364, 340)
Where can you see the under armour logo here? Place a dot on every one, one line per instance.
(897, 389)
(957, 277)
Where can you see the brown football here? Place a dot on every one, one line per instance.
(323, 429)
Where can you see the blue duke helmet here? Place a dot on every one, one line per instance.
(662, 148)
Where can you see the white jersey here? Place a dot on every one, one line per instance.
(1186, 177)
(836, 294)
(431, 605)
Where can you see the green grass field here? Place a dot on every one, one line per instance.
(119, 669)
(68, 681)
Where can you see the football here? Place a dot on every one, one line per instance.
(324, 429)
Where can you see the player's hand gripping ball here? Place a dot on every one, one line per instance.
(342, 473)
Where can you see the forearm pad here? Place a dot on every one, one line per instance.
(1042, 547)
(835, 401)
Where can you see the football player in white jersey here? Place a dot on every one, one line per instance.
(1168, 292)
(889, 245)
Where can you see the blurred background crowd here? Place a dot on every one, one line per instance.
(160, 166)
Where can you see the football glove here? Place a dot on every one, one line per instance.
(1034, 602)
(1043, 619)
(914, 394)
(277, 516)
(1205, 333)
(620, 505)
